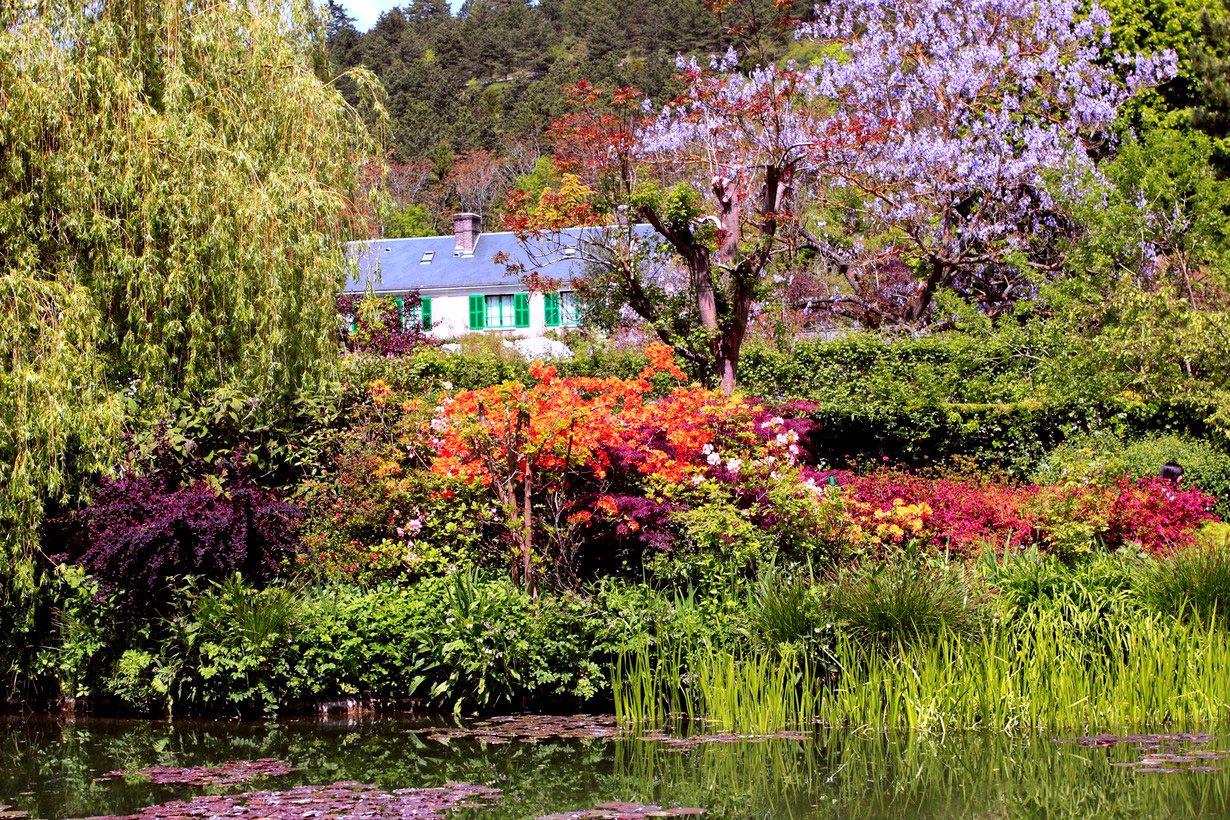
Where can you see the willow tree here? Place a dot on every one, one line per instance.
(175, 179)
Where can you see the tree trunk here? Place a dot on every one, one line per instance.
(731, 343)
(937, 276)
(527, 538)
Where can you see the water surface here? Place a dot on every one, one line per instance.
(52, 768)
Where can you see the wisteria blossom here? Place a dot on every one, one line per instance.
(958, 118)
(929, 140)
(945, 123)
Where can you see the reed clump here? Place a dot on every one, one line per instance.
(1042, 670)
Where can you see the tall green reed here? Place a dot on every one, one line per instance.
(1043, 671)
(1037, 674)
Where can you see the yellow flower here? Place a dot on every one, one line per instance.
(379, 391)
(387, 469)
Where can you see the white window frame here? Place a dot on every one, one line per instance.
(507, 317)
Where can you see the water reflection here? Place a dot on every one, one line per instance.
(51, 769)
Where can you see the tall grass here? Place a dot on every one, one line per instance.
(904, 600)
(1036, 673)
(758, 693)
(1192, 582)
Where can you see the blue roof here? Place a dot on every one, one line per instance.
(398, 264)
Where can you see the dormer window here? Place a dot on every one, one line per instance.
(427, 257)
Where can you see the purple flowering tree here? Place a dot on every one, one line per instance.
(928, 142)
(970, 117)
(713, 174)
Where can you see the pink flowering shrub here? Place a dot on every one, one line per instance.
(959, 515)
(889, 507)
(1157, 515)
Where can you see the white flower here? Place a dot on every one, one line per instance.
(714, 459)
(707, 449)
(734, 464)
(447, 385)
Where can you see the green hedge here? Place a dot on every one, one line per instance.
(926, 400)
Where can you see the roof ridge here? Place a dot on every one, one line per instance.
(451, 236)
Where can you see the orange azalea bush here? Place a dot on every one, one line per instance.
(557, 425)
(548, 451)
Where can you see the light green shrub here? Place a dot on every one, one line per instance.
(1193, 583)
(904, 600)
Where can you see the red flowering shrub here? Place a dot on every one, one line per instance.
(964, 515)
(1157, 515)
(960, 515)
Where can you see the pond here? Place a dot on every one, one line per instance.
(527, 768)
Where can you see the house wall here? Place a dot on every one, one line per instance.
(450, 314)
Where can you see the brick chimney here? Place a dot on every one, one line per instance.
(466, 228)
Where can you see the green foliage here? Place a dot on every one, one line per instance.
(724, 540)
(1032, 580)
(203, 217)
(409, 221)
(1193, 583)
(491, 75)
(136, 681)
(902, 601)
(721, 544)
(1196, 31)
(459, 642)
(543, 176)
(1037, 673)
(1105, 456)
(999, 397)
(786, 614)
(1161, 217)
(171, 224)
(85, 623)
(235, 645)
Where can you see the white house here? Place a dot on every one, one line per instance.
(462, 286)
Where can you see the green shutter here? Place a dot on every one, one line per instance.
(478, 307)
(401, 311)
(551, 308)
(425, 312)
(521, 310)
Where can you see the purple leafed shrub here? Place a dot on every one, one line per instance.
(141, 533)
(395, 329)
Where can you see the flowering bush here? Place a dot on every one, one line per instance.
(377, 512)
(556, 454)
(1157, 515)
(887, 508)
(566, 477)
